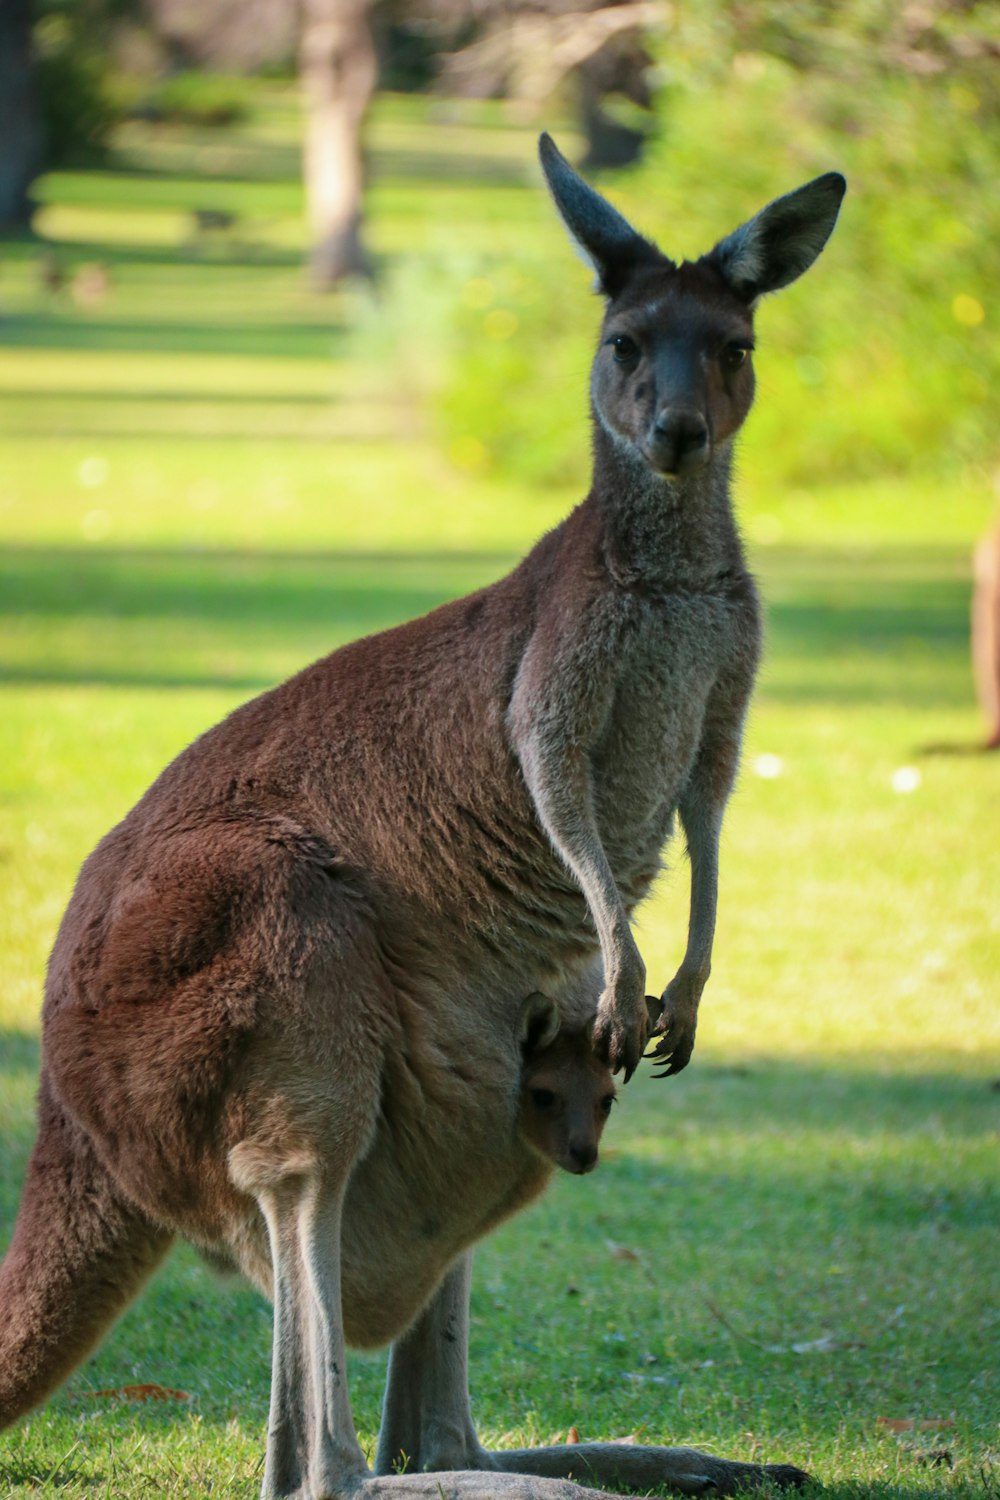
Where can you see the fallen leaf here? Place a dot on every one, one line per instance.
(573, 1436)
(936, 1458)
(825, 1345)
(627, 1442)
(910, 1424)
(146, 1392)
(621, 1252)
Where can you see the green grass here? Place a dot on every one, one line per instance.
(214, 476)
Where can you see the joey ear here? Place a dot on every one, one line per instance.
(604, 238)
(538, 1024)
(778, 244)
(654, 1010)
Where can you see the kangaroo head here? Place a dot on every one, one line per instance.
(566, 1091)
(673, 377)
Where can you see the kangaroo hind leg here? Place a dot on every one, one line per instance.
(312, 1447)
(426, 1425)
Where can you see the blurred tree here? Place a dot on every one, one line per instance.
(71, 58)
(856, 39)
(58, 100)
(20, 121)
(524, 51)
(518, 49)
(511, 48)
(337, 67)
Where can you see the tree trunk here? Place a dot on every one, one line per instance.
(20, 127)
(337, 64)
(609, 143)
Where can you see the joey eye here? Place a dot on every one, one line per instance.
(735, 355)
(543, 1098)
(606, 1104)
(626, 350)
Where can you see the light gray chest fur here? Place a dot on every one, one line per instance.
(675, 647)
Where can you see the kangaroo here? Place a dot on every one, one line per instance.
(567, 1091)
(282, 1008)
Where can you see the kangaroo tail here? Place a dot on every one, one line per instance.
(79, 1254)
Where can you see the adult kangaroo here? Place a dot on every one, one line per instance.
(282, 1010)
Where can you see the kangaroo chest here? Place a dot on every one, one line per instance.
(679, 653)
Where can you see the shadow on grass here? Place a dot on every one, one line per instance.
(880, 1489)
(20, 1052)
(250, 255)
(31, 1477)
(886, 633)
(791, 1099)
(862, 636)
(191, 397)
(841, 1098)
(279, 167)
(285, 340)
(304, 601)
(157, 417)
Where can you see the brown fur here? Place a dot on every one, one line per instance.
(282, 1009)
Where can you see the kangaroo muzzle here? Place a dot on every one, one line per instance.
(679, 441)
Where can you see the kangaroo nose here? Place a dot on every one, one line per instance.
(679, 441)
(583, 1156)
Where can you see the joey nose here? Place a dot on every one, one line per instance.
(583, 1156)
(679, 440)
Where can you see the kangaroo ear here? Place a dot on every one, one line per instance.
(538, 1025)
(782, 241)
(606, 241)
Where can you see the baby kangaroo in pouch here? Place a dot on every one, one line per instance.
(284, 1013)
(567, 1091)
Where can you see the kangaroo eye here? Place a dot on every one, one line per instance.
(626, 350)
(543, 1098)
(735, 355)
(606, 1104)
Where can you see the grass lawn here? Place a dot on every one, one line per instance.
(209, 476)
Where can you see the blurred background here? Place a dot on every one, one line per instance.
(293, 347)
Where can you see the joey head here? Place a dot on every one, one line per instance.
(567, 1091)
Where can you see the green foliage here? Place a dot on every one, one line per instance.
(857, 43)
(196, 98)
(78, 100)
(886, 342)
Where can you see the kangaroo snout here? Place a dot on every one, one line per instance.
(583, 1156)
(679, 441)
